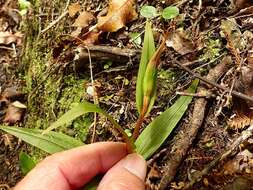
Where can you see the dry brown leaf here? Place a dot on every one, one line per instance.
(76, 32)
(13, 114)
(8, 38)
(180, 42)
(91, 38)
(239, 121)
(74, 8)
(18, 104)
(120, 12)
(83, 19)
(239, 163)
(243, 109)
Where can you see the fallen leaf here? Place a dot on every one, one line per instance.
(74, 8)
(13, 114)
(239, 164)
(7, 38)
(18, 104)
(91, 38)
(243, 113)
(243, 109)
(120, 12)
(83, 19)
(180, 42)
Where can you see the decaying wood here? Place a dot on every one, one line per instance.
(232, 150)
(106, 53)
(185, 138)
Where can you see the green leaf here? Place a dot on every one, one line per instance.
(26, 162)
(74, 113)
(148, 11)
(160, 128)
(82, 109)
(51, 142)
(147, 51)
(170, 12)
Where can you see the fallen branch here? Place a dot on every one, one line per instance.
(105, 53)
(232, 150)
(184, 138)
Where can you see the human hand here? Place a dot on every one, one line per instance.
(72, 169)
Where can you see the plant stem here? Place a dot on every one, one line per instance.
(137, 128)
(129, 142)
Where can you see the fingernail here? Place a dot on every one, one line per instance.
(135, 164)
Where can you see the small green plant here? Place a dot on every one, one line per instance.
(152, 136)
(52, 142)
(150, 12)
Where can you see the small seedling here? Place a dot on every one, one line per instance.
(149, 12)
(168, 13)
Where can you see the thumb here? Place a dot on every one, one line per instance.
(129, 173)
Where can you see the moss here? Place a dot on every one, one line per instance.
(51, 88)
(166, 79)
(212, 49)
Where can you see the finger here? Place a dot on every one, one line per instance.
(127, 174)
(73, 168)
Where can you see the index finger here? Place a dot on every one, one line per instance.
(72, 169)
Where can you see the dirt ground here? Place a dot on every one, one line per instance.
(40, 67)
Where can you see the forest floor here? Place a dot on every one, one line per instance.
(45, 70)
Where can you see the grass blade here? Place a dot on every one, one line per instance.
(51, 142)
(160, 128)
(147, 51)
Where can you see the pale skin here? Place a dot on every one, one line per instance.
(72, 169)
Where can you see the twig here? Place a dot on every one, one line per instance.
(243, 13)
(95, 98)
(65, 12)
(233, 149)
(7, 48)
(206, 94)
(234, 93)
(180, 3)
(184, 139)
